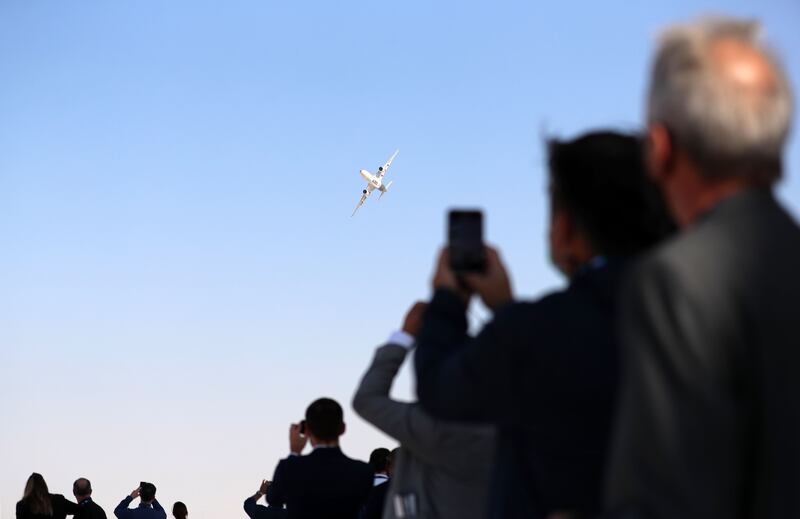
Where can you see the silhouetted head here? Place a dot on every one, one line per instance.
(379, 460)
(179, 510)
(147, 493)
(391, 464)
(81, 489)
(719, 112)
(602, 201)
(325, 420)
(37, 497)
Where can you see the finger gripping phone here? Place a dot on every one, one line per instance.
(465, 241)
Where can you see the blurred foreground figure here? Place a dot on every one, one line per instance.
(442, 468)
(325, 483)
(709, 424)
(82, 490)
(39, 503)
(545, 372)
(149, 507)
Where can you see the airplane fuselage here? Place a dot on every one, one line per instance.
(373, 182)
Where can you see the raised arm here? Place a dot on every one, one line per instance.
(159, 510)
(276, 493)
(460, 378)
(122, 511)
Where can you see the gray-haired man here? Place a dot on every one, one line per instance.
(709, 419)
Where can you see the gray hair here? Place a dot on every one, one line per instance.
(728, 129)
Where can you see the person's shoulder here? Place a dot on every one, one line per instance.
(358, 466)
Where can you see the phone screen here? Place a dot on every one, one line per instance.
(465, 239)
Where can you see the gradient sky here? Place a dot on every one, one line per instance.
(180, 275)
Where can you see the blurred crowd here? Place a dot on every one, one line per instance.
(659, 383)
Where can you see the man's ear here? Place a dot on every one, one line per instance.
(659, 152)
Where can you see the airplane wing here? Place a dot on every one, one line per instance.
(361, 202)
(383, 169)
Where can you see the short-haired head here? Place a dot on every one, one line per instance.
(379, 460)
(600, 181)
(179, 510)
(325, 419)
(82, 488)
(723, 97)
(147, 493)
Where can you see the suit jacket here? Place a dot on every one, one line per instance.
(545, 373)
(62, 507)
(256, 511)
(709, 422)
(325, 483)
(143, 511)
(445, 465)
(373, 509)
(90, 510)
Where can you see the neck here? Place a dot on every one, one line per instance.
(700, 196)
(81, 499)
(320, 443)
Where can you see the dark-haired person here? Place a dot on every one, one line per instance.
(179, 510)
(376, 502)
(545, 372)
(149, 507)
(38, 503)
(324, 483)
(256, 511)
(709, 417)
(379, 460)
(82, 490)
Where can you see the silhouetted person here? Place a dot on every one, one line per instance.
(325, 483)
(442, 468)
(379, 460)
(82, 490)
(179, 510)
(375, 506)
(709, 419)
(256, 511)
(38, 503)
(148, 508)
(545, 372)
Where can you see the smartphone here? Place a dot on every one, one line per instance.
(465, 241)
(302, 427)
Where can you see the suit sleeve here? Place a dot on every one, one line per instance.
(122, 511)
(276, 493)
(69, 507)
(250, 507)
(407, 423)
(675, 450)
(459, 378)
(159, 510)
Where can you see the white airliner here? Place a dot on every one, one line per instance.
(375, 182)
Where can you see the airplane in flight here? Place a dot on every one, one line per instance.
(375, 182)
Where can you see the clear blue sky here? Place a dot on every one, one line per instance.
(180, 274)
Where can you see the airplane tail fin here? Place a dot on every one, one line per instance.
(385, 189)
